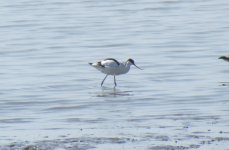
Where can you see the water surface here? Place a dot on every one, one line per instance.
(51, 98)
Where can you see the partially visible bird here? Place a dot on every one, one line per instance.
(111, 66)
(225, 57)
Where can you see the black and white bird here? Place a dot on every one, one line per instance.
(225, 57)
(111, 66)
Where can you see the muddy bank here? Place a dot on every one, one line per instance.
(86, 143)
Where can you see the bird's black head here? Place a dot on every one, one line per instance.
(131, 61)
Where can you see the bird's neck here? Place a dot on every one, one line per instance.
(127, 64)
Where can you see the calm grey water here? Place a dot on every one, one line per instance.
(49, 92)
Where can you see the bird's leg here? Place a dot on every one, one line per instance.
(104, 80)
(115, 81)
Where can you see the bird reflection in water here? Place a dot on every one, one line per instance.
(113, 92)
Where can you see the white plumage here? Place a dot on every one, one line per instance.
(111, 66)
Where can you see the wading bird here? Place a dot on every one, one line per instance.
(225, 57)
(111, 66)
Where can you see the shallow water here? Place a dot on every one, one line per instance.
(51, 98)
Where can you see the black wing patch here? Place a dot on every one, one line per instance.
(100, 64)
(113, 60)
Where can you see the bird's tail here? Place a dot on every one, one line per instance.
(93, 65)
(96, 65)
